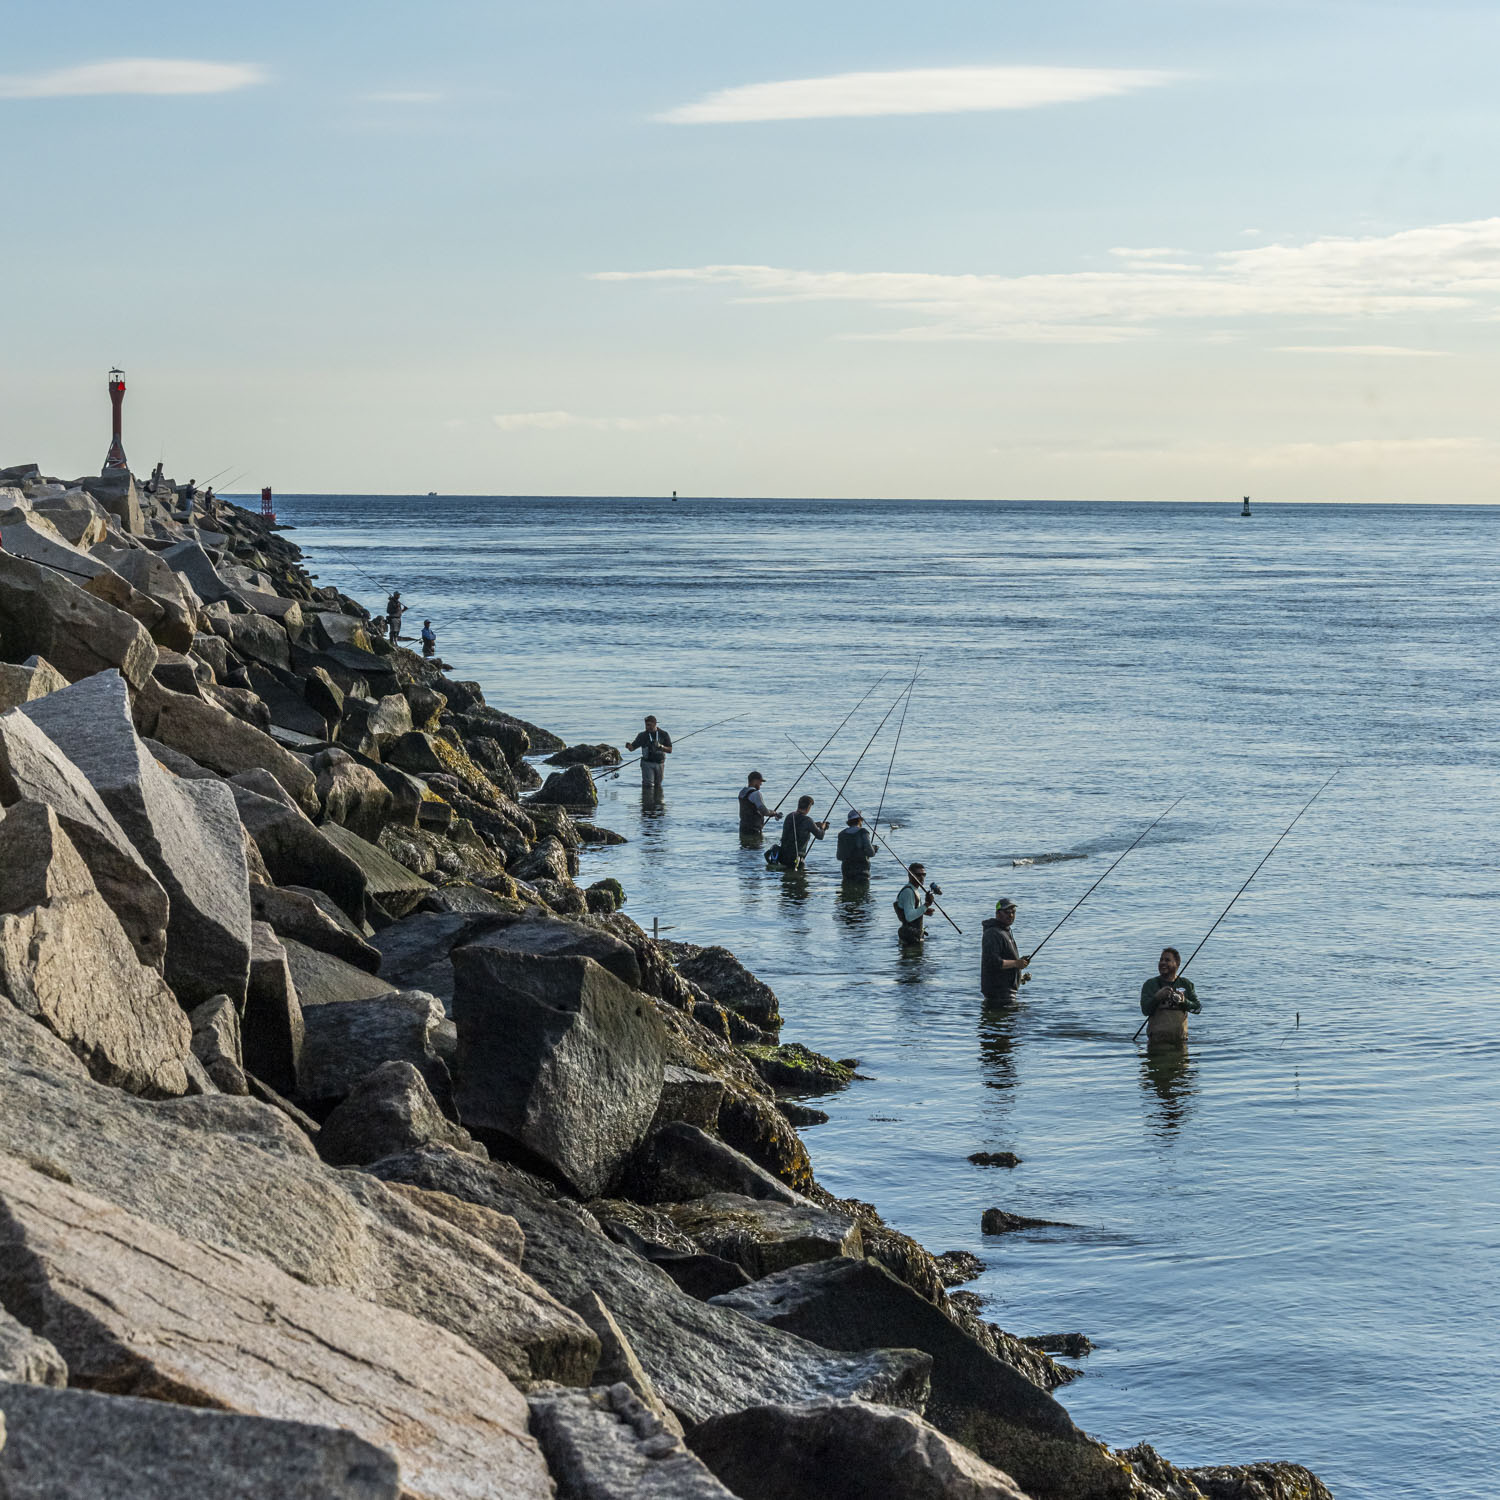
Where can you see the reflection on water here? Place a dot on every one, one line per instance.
(997, 1045)
(1168, 1072)
(852, 906)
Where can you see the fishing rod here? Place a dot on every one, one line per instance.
(613, 771)
(826, 743)
(891, 764)
(1100, 881)
(1256, 871)
(906, 693)
(937, 889)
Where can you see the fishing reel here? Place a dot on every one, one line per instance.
(934, 889)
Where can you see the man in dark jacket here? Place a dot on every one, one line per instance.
(797, 833)
(655, 746)
(753, 809)
(1001, 962)
(856, 847)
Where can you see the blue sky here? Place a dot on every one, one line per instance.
(1094, 251)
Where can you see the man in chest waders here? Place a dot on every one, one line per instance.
(856, 847)
(910, 908)
(1166, 1000)
(753, 809)
(1001, 962)
(798, 830)
(655, 746)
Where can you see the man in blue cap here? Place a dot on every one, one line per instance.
(856, 847)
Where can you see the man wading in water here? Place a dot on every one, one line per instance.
(655, 746)
(909, 906)
(1168, 992)
(1001, 962)
(797, 833)
(856, 847)
(753, 809)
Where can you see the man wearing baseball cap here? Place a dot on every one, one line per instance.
(855, 847)
(1001, 962)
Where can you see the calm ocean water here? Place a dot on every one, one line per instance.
(1285, 1246)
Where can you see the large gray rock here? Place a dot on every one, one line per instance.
(142, 1311)
(186, 831)
(547, 861)
(703, 1360)
(272, 1027)
(604, 1445)
(193, 563)
(313, 918)
(237, 1174)
(394, 886)
(573, 789)
(1267, 1480)
(257, 638)
(322, 979)
(388, 1111)
(75, 1445)
(66, 962)
(223, 743)
(681, 1161)
(294, 850)
(345, 1043)
(379, 721)
(762, 1236)
(416, 951)
(844, 1450)
(32, 679)
(727, 982)
(217, 1044)
(27, 1359)
(557, 937)
(149, 574)
(558, 1055)
(985, 1404)
(42, 613)
(353, 796)
(33, 768)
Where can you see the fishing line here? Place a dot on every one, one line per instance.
(614, 771)
(826, 743)
(895, 747)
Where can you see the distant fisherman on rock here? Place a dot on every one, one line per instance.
(1167, 998)
(429, 638)
(909, 906)
(753, 809)
(1001, 962)
(394, 609)
(856, 847)
(655, 746)
(798, 830)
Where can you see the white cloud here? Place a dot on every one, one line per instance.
(555, 421)
(912, 91)
(134, 75)
(1375, 351)
(1442, 270)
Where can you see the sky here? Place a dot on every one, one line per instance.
(1169, 250)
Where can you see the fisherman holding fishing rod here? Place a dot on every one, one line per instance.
(798, 830)
(1001, 962)
(655, 746)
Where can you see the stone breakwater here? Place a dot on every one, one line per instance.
(350, 1147)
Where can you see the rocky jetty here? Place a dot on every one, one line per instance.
(350, 1147)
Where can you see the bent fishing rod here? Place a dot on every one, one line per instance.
(1100, 881)
(1256, 871)
(826, 743)
(890, 765)
(613, 771)
(906, 694)
(919, 884)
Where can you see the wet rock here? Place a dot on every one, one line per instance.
(32, 679)
(426, 705)
(34, 769)
(42, 614)
(593, 833)
(547, 936)
(995, 1159)
(272, 1031)
(958, 1266)
(573, 788)
(345, 1043)
(295, 852)
(547, 861)
(585, 755)
(681, 1161)
(415, 953)
(466, 899)
(549, 818)
(843, 1450)
(217, 1044)
(26, 1360)
(984, 1404)
(604, 1446)
(1257, 1481)
(140, 1310)
(76, 1445)
(236, 1174)
(967, 1310)
(605, 896)
(394, 886)
(726, 981)
(66, 962)
(1074, 1345)
(998, 1221)
(388, 1111)
(801, 1115)
(558, 1055)
(322, 979)
(702, 1360)
(314, 919)
(798, 1069)
(763, 1236)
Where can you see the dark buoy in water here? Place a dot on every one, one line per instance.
(674, 497)
(1246, 510)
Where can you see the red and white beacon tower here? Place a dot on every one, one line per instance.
(115, 458)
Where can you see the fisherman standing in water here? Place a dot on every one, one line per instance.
(429, 638)
(655, 746)
(753, 809)
(798, 830)
(856, 847)
(1001, 962)
(394, 609)
(909, 906)
(1167, 999)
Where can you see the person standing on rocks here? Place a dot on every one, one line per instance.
(798, 830)
(753, 809)
(655, 746)
(910, 907)
(855, 847)
(394, 609)
(1001, 962)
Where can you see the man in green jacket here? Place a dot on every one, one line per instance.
(1168, 988)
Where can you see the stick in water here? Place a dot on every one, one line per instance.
(1256, 871)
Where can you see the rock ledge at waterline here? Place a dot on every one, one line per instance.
(351, 1147)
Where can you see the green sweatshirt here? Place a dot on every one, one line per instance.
(1155, 982)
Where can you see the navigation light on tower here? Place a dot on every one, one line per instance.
(115, 458)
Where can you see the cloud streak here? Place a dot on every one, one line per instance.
(558, 421)
(1445, 270)
(912, 91)
(133, 75)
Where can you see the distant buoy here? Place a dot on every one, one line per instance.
(1246, 510)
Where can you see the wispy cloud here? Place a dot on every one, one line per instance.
(556, 421)
(133, 75)
(1374, 351)
(1445, 269)
(912, 91)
